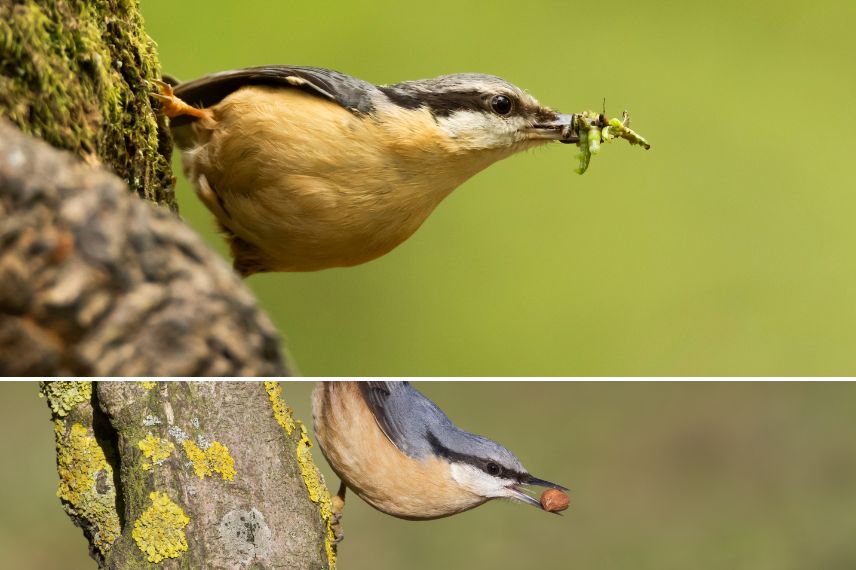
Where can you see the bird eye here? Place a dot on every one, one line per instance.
(493, 469)
(501, 105)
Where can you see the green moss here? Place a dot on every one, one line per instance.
(74, 74)
(317, 489)
(64, 395)
(86, 484)
(159, 532)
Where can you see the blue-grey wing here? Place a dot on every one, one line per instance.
(404, 415)
(349, 92)
(379, 399)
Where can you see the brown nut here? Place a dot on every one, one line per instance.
(553, 500)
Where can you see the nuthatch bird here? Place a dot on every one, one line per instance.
(402, 455)
(306, 168)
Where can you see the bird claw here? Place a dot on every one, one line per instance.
(160, 91)
(170, 105)
(337, 509)
(338, 530)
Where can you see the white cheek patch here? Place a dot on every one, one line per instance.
(477, 481)
(475, 130)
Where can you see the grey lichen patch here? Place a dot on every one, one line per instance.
(74, 74)
(203, 442)
(151, 420)
(179, 434)
(245, 535)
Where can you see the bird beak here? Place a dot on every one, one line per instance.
(560, 128)
(517, 493)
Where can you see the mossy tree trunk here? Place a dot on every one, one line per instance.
(97, 280)
(189, 475)
(94, 279)
(74, 74)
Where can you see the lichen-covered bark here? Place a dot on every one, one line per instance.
(74, 74)
(94, 281)
(190, 475)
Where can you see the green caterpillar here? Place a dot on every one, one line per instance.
(594, 128)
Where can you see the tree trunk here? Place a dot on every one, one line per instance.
(96, 281)
(74, 74)
(92, 280)
(189, 475)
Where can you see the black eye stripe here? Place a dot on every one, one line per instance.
(445, 103)
(495, 470)
(478, 462)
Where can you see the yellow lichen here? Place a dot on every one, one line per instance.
(155, 449)
(312, 478)
(215, 459)
(281, 412)
(220, 461)
(86, 484)
(318, 492)
(148, 384)
(196, 457)
(64, 395)
(159, 532)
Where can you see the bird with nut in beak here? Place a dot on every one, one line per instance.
(307, 168)
(401, 454)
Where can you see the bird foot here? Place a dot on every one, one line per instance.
(338, 530)
(172, 106)
(338, 506)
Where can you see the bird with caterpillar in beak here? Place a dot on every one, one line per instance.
(307, 168)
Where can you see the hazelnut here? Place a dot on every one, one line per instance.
(554, 500)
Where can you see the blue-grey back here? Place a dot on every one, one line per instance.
(419, 428)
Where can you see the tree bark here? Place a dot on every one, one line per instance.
(96, 281)
(74, 74)
(190, 475)
(93, 282)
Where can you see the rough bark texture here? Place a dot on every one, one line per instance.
(189, 475)
(74, 74)
(94, 281)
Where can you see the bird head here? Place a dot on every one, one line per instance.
(485, 468)
(479, 112)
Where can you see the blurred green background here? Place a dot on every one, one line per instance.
(704, 476)
(726, 249)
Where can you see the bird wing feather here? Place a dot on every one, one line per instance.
(405, 415)
(379, 397)
(349, 92)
